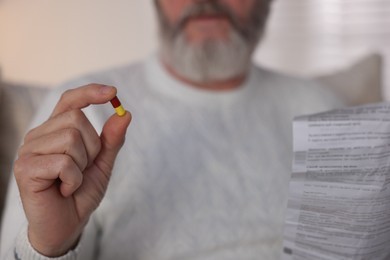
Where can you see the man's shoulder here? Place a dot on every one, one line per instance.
(297, 90)
(283, 79)
(118, 76)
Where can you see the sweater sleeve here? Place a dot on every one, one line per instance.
(14, 243)
(24, 250)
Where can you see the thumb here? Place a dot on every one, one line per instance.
(112, 138)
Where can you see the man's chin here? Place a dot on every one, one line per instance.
(208, 71)
(209, 60)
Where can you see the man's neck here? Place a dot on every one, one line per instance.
(221, 85)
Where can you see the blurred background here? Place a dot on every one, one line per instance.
(45, 42)
(343, 44)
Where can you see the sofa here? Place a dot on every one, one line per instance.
(17, 106)
(358, 84)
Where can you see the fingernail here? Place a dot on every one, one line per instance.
(104, 89)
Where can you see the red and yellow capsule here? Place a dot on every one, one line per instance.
(120, 111)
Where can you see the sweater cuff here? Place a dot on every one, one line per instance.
(24, 251)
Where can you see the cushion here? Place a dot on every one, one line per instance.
(17, 107)
(361, 83)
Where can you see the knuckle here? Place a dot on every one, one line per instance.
(21, 151)
(93, 85)
(20, 166)
(78, 180)
(72, 136)
(73, 140)
(65, 95)
(76, 116)
(29, 135)
(66, 164)
(74, 180)
(23, 169)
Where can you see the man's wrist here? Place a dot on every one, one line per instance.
(24, 250)
(52, 250)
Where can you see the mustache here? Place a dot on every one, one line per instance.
(209, 8)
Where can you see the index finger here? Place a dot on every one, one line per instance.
(84, 96)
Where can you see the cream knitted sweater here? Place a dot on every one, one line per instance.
(203, 175)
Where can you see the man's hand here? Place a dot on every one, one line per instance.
(64, 167)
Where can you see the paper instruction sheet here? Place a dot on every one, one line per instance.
(339, 193)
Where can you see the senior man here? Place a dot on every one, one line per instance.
(204, 171)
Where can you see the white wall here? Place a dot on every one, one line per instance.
(309, 37)
(45, 42)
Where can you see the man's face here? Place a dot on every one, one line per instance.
(203, 21)
(208, 40)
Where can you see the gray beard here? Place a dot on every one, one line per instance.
(212, 61)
